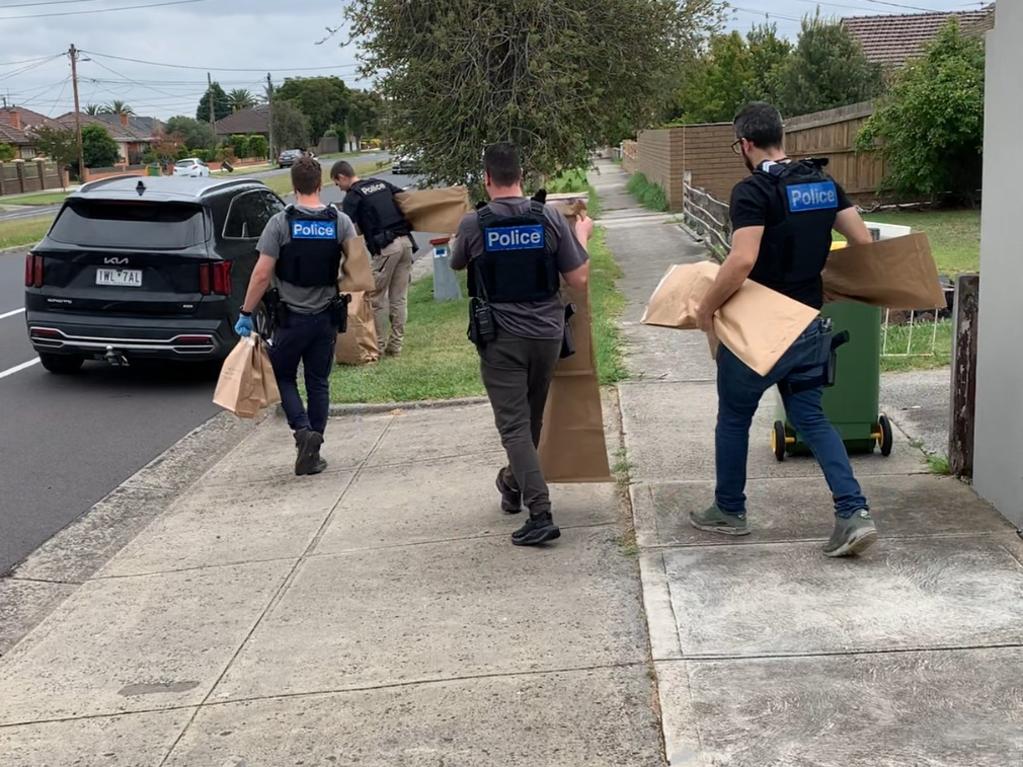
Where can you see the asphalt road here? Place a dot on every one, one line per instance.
(67, 441)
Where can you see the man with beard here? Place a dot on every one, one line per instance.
(782, 220)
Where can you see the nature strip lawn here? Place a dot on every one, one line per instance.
(23, 231)
(437, 360)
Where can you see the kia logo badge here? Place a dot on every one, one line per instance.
(115, 261)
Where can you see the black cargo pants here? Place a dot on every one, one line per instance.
(517, 374)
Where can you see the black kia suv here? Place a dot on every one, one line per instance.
(136, 267)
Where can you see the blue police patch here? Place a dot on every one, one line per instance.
(522, 237)
(803, 198)
(313, 230)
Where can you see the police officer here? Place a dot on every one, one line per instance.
(300, 253)
(516, 251)
(782, 218)
(370, 204)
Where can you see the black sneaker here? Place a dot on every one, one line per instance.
(308, 443)
(511, 500)
(539, 528)
(320, 465)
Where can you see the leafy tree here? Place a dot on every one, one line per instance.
(768, 56)
(258, 145)
(323, 100)
(117, 107)
(716, 85)
(221, 104)
(930, 128)
(827, 69)
(98, 146)
(240, 144)
(6, 152)
(93, 109)
(364, 115)
(59, 144)
(167, 145)
(193, 133)
(291, 127)
(461, 74)
(240, 99)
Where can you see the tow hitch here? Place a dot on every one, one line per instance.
(115, 358)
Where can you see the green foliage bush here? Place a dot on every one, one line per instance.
(649, 194)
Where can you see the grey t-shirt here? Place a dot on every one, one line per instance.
(275, 235)
(535, 319)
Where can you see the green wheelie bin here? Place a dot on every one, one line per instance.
(852, 404)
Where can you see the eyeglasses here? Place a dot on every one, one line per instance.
(737, 146)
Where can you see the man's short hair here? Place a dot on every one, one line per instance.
(760, 123)
(503, 163)
(342, 168)
(306, 175)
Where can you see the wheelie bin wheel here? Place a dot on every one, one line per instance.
(887, 439)
(778, 440)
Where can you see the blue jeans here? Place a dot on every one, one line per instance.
(309, 339)
(739, 393)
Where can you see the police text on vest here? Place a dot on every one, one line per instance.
(313, 230)
(803, 198)
(525, 237)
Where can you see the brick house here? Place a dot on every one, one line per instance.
(133, 134)
(16, 125)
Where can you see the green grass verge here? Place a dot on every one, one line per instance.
(922, 357)
(573, 180)
(438, 362)
(43, 198)
(25, 231)
(954, 235)
(649, 194)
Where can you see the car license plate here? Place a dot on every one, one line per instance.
(119, 278)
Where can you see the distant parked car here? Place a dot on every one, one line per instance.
(137, 268)
(403, 165)
(191, 166)
(288, 157)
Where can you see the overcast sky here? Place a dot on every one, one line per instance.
(218, 35)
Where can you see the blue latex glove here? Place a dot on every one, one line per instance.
(244, 326)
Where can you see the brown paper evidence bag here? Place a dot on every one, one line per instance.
(758, 324)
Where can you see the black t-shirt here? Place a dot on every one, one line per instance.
(757, 201)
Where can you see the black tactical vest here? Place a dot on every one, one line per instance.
(312, 255)
(793, 251)
(519, 259)
(379, 218)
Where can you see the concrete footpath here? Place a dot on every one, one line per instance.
(767, 653)
(376, 614)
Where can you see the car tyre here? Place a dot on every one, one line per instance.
(61, 364)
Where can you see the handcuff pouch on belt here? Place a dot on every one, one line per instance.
(827, 366)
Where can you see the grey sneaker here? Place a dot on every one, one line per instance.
(852, 536)
(716, 521)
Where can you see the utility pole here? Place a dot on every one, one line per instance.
(270, 113)
(209, 93)
(73, 53)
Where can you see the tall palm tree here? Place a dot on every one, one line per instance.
(117, 107)
(240, 99)
(93, 109)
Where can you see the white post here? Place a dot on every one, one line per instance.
(998, 436)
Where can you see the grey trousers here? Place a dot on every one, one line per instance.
(392, 273)
(517, 374)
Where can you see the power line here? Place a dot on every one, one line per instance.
(30, 61)
(44, 2)
(220, 69)
(102, 10)
(766, 14)
(30, 67)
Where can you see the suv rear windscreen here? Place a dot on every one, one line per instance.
(117, 224)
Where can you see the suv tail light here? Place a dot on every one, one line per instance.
(215, 278)
(33, 271)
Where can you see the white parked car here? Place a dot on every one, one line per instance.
(191, 166)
